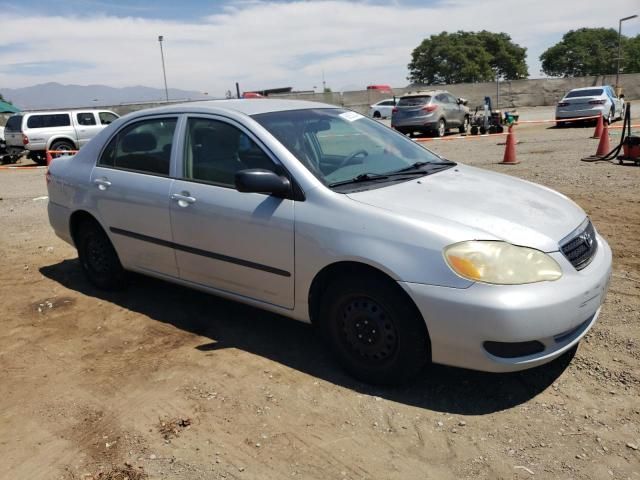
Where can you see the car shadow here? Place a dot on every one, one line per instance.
(297, 345)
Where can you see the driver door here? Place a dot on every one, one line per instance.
(241, 243)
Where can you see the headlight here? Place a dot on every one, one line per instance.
(501, 263)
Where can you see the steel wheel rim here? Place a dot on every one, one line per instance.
(96, 256)
(441, 128)
(367, 330)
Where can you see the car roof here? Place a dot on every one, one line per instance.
(74, 110)
(247, 106)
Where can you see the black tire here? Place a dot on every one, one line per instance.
(474, 130)
(483, 130)
(610, 117)
(40, 159)
(98, 258)
(61, 145)
(464, 128)
(441, 130)
(376, 114)
(375, 331)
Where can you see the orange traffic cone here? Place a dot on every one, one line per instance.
(49, 158)
(603, 144)
(599, 127)
(510, 149)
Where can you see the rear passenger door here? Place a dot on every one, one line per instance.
(86, 126)
(241, 243)
(130, 184)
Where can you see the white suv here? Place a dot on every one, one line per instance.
(37, 132)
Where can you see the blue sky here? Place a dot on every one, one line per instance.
(211, 44)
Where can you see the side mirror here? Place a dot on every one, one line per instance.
(257, 180)
(462, 101)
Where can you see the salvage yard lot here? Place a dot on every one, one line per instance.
(183, 385)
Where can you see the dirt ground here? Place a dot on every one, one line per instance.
(162, 382)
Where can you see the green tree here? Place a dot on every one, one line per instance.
(467, 57)
(590, 51)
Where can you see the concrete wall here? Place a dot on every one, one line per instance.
(519, 93)
(513, 94)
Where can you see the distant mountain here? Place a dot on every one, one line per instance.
(56, 95)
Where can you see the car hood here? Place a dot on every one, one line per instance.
(493, 205)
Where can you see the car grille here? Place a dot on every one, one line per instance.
(581, 246)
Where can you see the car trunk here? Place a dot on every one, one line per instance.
(13, 132)
(411, 107)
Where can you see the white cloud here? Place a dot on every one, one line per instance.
(269, 44)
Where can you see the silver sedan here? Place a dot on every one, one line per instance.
(398, 256)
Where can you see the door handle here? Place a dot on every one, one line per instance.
(102, 183)
(184, 199)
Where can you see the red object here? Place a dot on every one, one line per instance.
(510, 150)
(631, 148)
(251, 95)
(429, 108)
(599, 127)
(25, 139)
(49, 158)
(395, 109)
(603, 144)
(380, 88)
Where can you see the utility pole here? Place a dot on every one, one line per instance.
(164, 72)
(237, 90)
(620, 51)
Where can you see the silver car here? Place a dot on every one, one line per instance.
(588, 102)
(435, 111)
(398, 256)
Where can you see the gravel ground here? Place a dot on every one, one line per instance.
(166, 383)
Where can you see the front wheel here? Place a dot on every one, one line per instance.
(376, 114)
(98, 258)
(374, 330)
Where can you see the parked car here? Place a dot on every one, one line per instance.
(590, 101)
(434, 111)
(323, 215)
(383, 108)
(36, 132)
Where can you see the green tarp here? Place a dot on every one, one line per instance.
(7, 108)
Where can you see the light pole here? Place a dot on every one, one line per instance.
(164, 72)
(620, 51)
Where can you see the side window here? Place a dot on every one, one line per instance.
(107, 117)
(215, 151)
(86, 118)
(442, 98)
(48, 121)
(143, 146)
(387, 103)
(452, 99)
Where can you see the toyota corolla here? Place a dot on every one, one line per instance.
(400, 257)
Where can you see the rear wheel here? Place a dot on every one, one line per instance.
(376, 114)
(61, 146)
(98, 258)
(442, 128)
(375, 331)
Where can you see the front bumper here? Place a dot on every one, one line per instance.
(557, 314)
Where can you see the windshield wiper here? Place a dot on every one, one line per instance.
(417, 168)
(363, 177)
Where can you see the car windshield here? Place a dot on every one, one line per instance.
(338, 145)
(593, 92)
(414, 101)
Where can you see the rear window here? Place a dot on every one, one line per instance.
(414, 101)
(14, 124)
(49, 120)
(592, 92)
